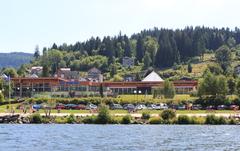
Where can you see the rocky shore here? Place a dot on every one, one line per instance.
(14, 119)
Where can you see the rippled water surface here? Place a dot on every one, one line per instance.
(118, 137)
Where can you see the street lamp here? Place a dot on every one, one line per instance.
(137, 92)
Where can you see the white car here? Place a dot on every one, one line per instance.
(151, 107)
(140, 107)
(91, 106)
(161, 106)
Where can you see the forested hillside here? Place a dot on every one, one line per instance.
(157, 49)
(15, 59)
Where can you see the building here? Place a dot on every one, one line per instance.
(66, 73)
(37, 70)
(128, 62)
(94, 75)
(56, 85)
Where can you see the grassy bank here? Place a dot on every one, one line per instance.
(106, 118)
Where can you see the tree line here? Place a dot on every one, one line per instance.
(156, 47)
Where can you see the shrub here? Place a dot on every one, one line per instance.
(60, 120)
(232, 121)
(168, 114)
(222, 120)
(89, 120)
(155, 120)
(1, 97)
(46, 120)
(183, 119)
(211, 119)
(71, 119)
(197, 120)
(103, 115)
(36, 118)
(126, 119)
(145, 115)
(116, 120)
(214, 120)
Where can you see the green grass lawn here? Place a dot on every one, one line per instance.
(176, 99)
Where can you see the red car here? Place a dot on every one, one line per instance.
(80, 107)
(60, 106)
(234, 107)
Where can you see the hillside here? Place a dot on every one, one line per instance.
(169, 52)
(14, 59)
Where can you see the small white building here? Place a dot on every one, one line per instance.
(37, 70)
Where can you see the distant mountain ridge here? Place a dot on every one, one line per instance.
(14, 59)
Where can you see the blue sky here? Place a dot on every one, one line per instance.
(27, 23)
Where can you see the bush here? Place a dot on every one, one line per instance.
(197, 120)
(60, 120)
(222, 120)
(1, 97)
(155, 120)
(168, 114)
(36, 118)
(126, 119)
(103, 115)
(211, 119)
(183, 119)
(89, 120)
(116, 120)
(214, 120)
(71, 119)
(232, 121)
(145, 115)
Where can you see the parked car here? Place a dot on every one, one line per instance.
(151, 106)
(161, 106)
(173, 106)
(210, 107)
(116, 107)
(36, 107)
(80, 107)
(181, 107)
(196, 107)
(221, 107)
(91, 106)
(128, 107)
(234, 107)
(140, 107)
(60, 106)
(70, 106)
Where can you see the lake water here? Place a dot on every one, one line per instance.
(118, 137)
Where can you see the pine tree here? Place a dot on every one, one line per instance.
(139, 49)
(54, 46)
(189, 68)
(36, 53)
(147, 60)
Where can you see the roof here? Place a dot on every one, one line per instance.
(37, 67)
(152, 77)
(65, 69)
(94, 70)
(34, 76)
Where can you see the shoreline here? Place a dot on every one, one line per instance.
(135, 115)
(122, 119)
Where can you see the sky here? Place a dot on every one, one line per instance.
(27, 23)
